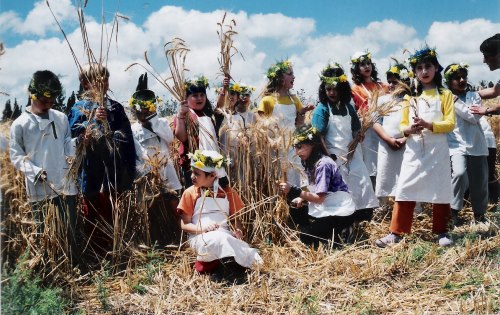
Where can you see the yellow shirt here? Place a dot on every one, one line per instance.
(267, 103)
(447, 124)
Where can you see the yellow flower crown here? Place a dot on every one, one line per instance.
(453, 69)
(38, 90)
(278, 69)
(401, 71)
(213, 160)
(246, 89)
(140, 105)
(361, 57)
(421, 54)
(198, 82)
(333, 80)
(310, 134)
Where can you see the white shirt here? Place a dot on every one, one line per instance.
(38, 144)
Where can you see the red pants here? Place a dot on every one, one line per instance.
(206, 266)
(402, 217)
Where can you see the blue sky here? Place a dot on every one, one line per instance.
(309, 32)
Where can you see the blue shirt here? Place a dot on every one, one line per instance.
(321, 116)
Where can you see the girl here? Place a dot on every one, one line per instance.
(154, 136)
(284, 107)
(336, 119)
(391, 148)
(366, 83)
(425, 175)
(198, 107)
(331, 207)
(468, 148)
(204, 209)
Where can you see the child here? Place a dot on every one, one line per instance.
(285, 108)
(336, 119)
(331, 207)
(366, 83)
(206, 209)
(468, 148)
(200, 111)
(425, 172)
(391, 148)
(493, 184)
(109, 161)
(40, 143)
(154, 136)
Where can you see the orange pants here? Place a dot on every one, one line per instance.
(402, 217)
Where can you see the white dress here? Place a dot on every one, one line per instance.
(389, 160)
(220, 243)
(426, 173)
(356, 176)
(157, 142)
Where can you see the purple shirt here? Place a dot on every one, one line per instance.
(327, 177)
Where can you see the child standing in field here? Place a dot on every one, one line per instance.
(336, 119)
(40, 143)
(330, 208)
(209, 215)
(154, 136)
(366, 83)
(425, 173)
(201, 114)
(468, 148)
(392, 146)
(288, 111)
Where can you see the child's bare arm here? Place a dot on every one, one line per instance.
(189, 227)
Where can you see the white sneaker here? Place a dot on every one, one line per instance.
(444, 240)
(389, 239)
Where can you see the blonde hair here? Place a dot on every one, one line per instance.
(93, 71)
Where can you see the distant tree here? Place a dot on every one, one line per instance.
(7, 111)
(71, 101)
(59, 103)
(16, 112)
(490, 85)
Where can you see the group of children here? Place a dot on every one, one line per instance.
(406, 154)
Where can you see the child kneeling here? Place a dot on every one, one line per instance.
(205, 209)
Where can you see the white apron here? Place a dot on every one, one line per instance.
(337, 203)
(425, 172)
(220, 243)
(389, 160)
(285, 115)
(207, 136)
(357, 178)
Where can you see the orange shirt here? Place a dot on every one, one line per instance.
(360, 94)
(190, 195)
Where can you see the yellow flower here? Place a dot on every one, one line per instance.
(369, 55)
(343, 78)
(453, 68)
(33, 97)
(46, 94)
(410, 74)
(432, 53)
(131, 102)
(236, 87)
(394, 69)
(199, 164)
(413, 60)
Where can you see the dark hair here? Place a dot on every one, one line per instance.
(453, 75)
(491, 46)
(343, 88)
(45, 81)
(406, 81)
(319, 150)
(358, 78)
(438, 77)
(207, 109)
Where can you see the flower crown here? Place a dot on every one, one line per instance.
(38, 90)
(359, 57)
(333, 80)
(198, 82)
(278, 69)
(307, 135)
(421, 54)
(454, 68)
(142, 105)
(401, 71)
(208, 160)
(246, 89)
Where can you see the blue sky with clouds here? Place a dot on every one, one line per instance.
(309, 32)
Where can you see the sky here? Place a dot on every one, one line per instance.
(311, 33)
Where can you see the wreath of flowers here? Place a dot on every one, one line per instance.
(366, 56)
(246, 89)
(333, 80)
(454, 68)
(307, 135)
(401, 71)
(278, 68)
(421, 54)
(39, 90)
(199, 82)
(215, 161)
(141, 105)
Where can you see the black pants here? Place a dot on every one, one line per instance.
(493, 184)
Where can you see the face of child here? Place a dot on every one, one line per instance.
(303, 150)
(233, 98)
(288, 79)
(425, 72)
(365, 68)
(492, 60)
(42, 104)
(202, 179)
(331, 93)
(392, 81)
(196, 101)
(458, 82)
